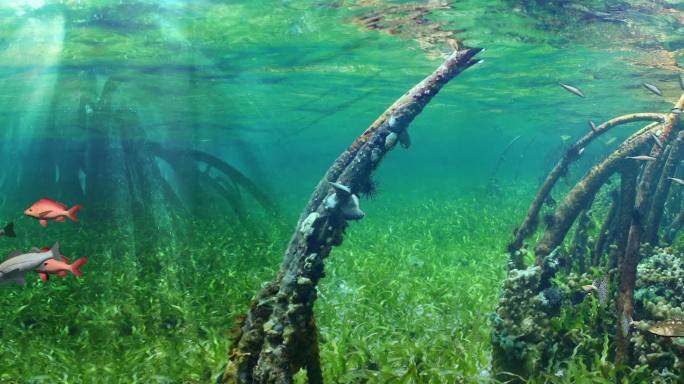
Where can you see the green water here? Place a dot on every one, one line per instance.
(278, 89)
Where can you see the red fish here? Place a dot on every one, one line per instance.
(47, 209)
(60, 267)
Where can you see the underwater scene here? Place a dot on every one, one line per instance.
(341, 191)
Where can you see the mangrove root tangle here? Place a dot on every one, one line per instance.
(529, 225)
(277, 336)
(634, 217)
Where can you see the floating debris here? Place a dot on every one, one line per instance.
(592, 126)
(571, 89)
(676, 180)
(565, 137)
(642, 158)
(611, 140)
(668, 328)
(653, 89)
(418, 22)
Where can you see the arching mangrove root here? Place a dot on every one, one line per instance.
(277, 337)
(531, 220)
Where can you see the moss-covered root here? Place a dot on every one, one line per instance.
(278, 335)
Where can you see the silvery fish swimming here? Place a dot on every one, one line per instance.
(668, 328)
(571, 89)
(642, 158)
(18, 264)
(676, 180)
(657, 140)
(653, 89)
(592, 126)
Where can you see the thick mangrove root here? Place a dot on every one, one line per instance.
(573, 153)
(655, 215)
(650, 177)
(277, 337)
(605, 233)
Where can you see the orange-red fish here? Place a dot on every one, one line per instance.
(47, 209)
(60, 267)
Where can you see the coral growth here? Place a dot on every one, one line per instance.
(519, 322)
(659, 296)
(542, 332)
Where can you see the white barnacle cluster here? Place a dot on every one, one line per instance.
(398, 133)
(343, 200)
(307, 226)
(376, 155)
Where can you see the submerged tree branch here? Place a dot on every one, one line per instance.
(278, 335)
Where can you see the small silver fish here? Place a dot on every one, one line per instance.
(642, 158)
(592, 126)
(668, 328)
(676, 111)
(676, 180)
(580, 151)
(653, 89)
(571, 89)
(657, 140)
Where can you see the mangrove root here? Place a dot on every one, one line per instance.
(277, 337)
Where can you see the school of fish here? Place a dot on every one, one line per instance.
(44, 261)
